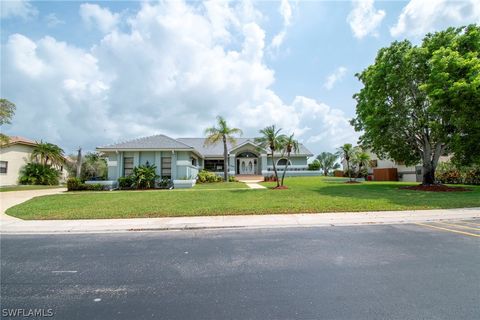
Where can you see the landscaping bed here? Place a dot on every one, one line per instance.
(304, 195)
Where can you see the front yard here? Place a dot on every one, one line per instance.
(305, 195)
(27, 187)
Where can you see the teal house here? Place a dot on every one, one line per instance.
(183, 158)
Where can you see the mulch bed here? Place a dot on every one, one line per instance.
(352, 182)
(436, 188)
(280, 188)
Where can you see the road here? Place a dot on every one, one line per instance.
(359, 272)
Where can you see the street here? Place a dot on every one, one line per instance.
(406, 271)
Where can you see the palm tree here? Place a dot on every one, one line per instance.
(271, 139)
(362, 159)
(48, 154)
(328, 161)
(346, 153)
(289, 145)
(222, 132)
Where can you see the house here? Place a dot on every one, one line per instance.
(404, 173)
(13, 156)
(182, 158)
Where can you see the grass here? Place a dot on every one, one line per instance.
(305, 195)
(220, 185)
(27, 187)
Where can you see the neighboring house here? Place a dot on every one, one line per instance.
(13, 156)
(182, 158)
(405, 173)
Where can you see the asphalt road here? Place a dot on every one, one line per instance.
(364, 272)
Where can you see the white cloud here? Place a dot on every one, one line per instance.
(419, 17)
(335, 77)
(52, 20)
(285, 10)
(17, 8)
(93, 14)
(170, 73)
(364, 19)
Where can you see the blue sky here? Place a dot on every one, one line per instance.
(92, 73)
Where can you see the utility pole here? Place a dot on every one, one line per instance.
(79, 162)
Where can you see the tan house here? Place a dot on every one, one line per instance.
(13, 156)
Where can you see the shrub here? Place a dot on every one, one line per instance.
(76, 184)
(40, 174)
(271, 178)
(314, 166)
(447, 172)
(164, 183)
(125, 183)
(232, 179)
(208, 177)
(144, 176)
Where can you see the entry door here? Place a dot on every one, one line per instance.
(247, 166)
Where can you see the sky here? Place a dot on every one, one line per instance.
(94, 73)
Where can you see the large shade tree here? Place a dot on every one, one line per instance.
(420, 102)
(327, 161)
(272, 141)
(7, 111)
(222, 133)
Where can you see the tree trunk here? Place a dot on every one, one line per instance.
(225, 159)
(428, 176)
(348, 170)
(430, 161)
(285, 169)
(275, 170)
(79, 163)
(325, 172)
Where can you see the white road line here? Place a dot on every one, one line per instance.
(65, 271)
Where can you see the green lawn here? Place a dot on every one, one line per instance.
(309, 194)
(27, 187)
(220, 185)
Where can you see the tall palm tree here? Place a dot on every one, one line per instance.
(346, 153)
(362, 159)
(222, 132)
(289, 145)
(48, 154)
(327, 162)
(271, 139)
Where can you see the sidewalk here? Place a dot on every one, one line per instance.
(17, 226)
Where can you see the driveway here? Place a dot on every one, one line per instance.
(403, 271)
(12, 198)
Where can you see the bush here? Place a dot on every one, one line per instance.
(208, 177)
(144, 176)
(125, 183)
(232, 179)
(164, 183)
(447, 172)
(271, 178)
(39, 174)
(76, 184)
(314, 166)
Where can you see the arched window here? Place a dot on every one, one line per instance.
(283, 162)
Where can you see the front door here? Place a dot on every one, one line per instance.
(247, 166)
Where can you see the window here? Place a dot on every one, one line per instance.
(213, 165)
(127, 166)
(194, 162)
(166, 167)
(283, 162)
(3, 166)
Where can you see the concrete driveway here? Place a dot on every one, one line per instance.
(12, 198)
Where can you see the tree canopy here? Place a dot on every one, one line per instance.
(420, 102)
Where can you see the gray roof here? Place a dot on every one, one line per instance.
(196, 144)
(158, 141)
